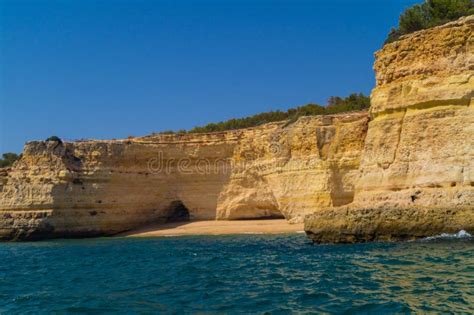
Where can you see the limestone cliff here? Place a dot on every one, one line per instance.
(417, 167)
(294, 170)
(89, 188)
(406, 173)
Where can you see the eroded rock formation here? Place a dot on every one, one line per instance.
(90, 188)
(417, 167)
(407, 173)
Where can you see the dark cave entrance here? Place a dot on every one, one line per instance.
(177, 212)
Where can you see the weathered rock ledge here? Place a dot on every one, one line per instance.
(351, 225)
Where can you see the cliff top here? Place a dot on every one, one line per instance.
(465, 20)
(439, 51)
(227, 135)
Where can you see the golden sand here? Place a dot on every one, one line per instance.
(217, 228)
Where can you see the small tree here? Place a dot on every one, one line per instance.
(8, 159)
(429, 14)
(54, 139)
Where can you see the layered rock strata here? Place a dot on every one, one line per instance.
(408, 173)
(90, 188)
(417, 167)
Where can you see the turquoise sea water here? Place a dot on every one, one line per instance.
(236, 274)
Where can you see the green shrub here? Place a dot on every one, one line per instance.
(55, 139)
(166, 132)
(355, 101)
(429, 14)
(8, 159)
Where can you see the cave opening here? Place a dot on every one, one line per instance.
(177, 212)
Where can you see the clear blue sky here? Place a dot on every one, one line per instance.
(110, 69)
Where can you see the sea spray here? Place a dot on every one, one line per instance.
(462, 234)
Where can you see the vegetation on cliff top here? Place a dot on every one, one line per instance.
(54, 139)
(8, 159)
(336, 104)
(429, 14)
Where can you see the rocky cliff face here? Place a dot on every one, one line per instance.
(407, 173)
(293, 171)
(90, 188)
(417, 167)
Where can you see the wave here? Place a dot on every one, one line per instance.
(459, 235)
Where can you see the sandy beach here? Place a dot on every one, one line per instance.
(217, 228)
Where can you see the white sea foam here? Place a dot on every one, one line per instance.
(459, 235)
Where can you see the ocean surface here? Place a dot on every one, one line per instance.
(272, 274)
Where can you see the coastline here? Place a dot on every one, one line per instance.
(213, 227)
